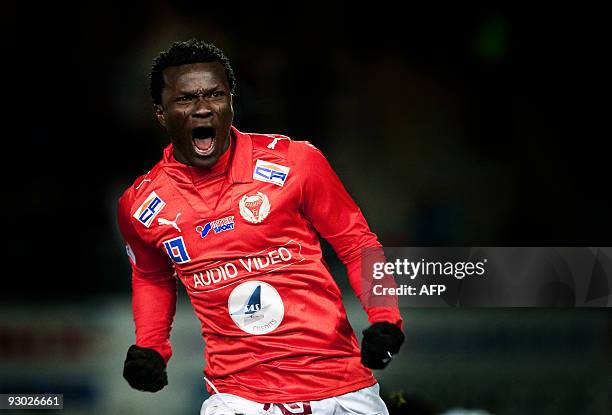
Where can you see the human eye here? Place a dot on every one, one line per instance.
(184, 98)
(216, 94)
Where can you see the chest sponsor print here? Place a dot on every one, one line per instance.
(268, 172)
(256, 307)
(220, 274)
(216, 226)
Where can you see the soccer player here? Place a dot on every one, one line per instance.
(236, 218)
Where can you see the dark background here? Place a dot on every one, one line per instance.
(449, 126)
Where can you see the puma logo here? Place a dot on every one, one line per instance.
(273, 143)
(143, 180)
(162, 221)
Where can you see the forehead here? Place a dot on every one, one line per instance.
(195, 75)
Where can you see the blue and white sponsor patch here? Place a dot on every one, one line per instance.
(217, 226)
(149, 209)
(270, 172)
(176, 250)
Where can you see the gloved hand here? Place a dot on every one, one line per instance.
(145, 369)
(380, 342)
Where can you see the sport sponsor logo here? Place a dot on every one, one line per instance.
(217, 226)
(268, 172)
(219, 274)
(149, 209)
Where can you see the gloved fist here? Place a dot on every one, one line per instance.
(145, 369)
(380, 342)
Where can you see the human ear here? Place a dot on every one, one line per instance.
(160, 114)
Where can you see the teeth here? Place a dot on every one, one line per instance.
(203, 140)
(203, 143)
(204, 151)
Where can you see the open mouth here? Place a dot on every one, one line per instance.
(203, 140)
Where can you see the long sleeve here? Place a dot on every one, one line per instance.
(336, 217)
(154, 288)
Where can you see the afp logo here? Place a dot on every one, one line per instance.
(270, 173)
(149, 209)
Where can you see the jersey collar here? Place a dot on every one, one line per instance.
(241, 167)
(241, 170)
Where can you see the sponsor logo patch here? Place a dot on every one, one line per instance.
(149, 209)
(256, 307)
(270, 172)
(176, 250)
(217, 226)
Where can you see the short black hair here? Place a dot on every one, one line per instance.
(184, 53)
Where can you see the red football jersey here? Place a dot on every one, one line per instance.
(243, 240)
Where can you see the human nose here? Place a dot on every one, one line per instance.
(202, 108)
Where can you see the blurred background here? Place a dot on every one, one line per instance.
(449, 126)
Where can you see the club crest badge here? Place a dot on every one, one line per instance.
(254, 209)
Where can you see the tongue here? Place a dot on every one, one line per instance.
(203, 143)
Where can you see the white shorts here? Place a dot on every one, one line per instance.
(365, 401)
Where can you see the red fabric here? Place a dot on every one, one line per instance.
(313, 354)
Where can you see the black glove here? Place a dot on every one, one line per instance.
(380, 342)
(145, 369)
